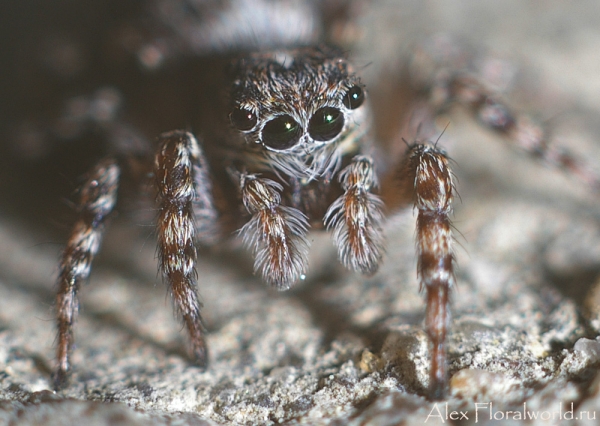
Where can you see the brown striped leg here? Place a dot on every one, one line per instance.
(427, 167)
(98, 196)
(519, 130)
(356, 217)
(183, 189)
(275, 233)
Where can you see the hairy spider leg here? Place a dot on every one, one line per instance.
(276, 234)
(97, 199)
(183, 183)
(356, 218)
(425, 169)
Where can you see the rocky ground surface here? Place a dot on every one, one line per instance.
(341, 348)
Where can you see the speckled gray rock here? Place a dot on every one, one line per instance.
(342, 348)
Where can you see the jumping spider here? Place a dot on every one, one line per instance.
(292, 150)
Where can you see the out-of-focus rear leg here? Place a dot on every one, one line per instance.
(449, 74)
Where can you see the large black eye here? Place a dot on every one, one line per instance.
(242, 119)
(282, 132)
(326, 124)
(354, 97)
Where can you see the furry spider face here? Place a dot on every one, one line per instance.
(303, 107)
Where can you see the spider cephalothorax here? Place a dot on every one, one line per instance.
(303, 107)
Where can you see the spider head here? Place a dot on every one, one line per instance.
(303, 107)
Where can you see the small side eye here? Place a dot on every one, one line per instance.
(281, 133)
(326, 124)
(354, 97)
(242, 119)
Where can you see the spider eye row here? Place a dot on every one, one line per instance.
(242, 119)
(354, 97)
(283, 132)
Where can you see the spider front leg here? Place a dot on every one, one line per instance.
(275, 233)
(98, 196)
(356, 218)
(426, 168)
(185, 207)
